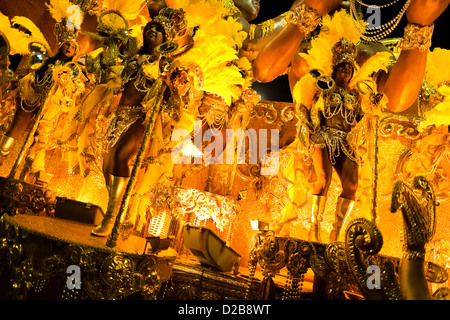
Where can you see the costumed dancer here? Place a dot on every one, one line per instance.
(66, 95)
(48, 94)
(126, 129)
(339, 104)
(15, 42)
(104, 66)
(227, 78)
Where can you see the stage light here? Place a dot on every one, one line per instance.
(157, 244)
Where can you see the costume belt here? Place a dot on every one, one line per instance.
(335, 141)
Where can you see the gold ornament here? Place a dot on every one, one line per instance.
(416, 37)
(305, 17)
(344, 51)
(65, 31)
(173, 21)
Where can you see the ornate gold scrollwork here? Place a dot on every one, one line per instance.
(106, 274)
(399, 127)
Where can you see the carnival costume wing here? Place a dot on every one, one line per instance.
(19, 41)
(214, 50)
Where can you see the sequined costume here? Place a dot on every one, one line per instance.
(328, 113)
(341, 112)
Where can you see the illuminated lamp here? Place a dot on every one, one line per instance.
(209, 248)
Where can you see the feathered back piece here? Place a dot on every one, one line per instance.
(129, 9)
(333, 29)
(19, 40)
(437, 70)
(209, 15)
(216, 41)
(58, 9)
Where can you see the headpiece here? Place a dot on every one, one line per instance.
(173, 21)
(65, 31)
(344, 51)
(66, 27)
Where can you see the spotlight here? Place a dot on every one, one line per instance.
(157, 244)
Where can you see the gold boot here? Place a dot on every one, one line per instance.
(343, 209)
(6, 144)
(117, 186)
(318, 207)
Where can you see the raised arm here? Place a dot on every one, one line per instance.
(276, 56)
(404, 81)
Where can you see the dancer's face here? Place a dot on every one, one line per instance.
(154, 35)
(344, 73)
(68, 49)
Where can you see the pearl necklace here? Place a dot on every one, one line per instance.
(378, 33)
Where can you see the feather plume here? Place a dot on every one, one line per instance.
(18, 40)
(129, 9)
(212, 55)
(339, 25)
(214, 50)
(437, 69)
(334, 27)
(36, 34)
(305, 90)
(208, 16)
(377, 62)
(200, 11)
(58, 9)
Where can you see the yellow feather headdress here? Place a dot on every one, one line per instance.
(333, 29)
(68, 22)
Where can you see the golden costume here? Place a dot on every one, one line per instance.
(328, 113)
(17, 42)
(51, 92)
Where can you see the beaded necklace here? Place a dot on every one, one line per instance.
(377, 33)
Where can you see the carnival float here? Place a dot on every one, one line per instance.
(135, 150)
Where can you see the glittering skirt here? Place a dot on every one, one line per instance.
(336, 142)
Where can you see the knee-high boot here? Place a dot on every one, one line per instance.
(318, 207)
(343, 209)
(117, 186)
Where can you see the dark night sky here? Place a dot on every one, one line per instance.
(278, 90)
